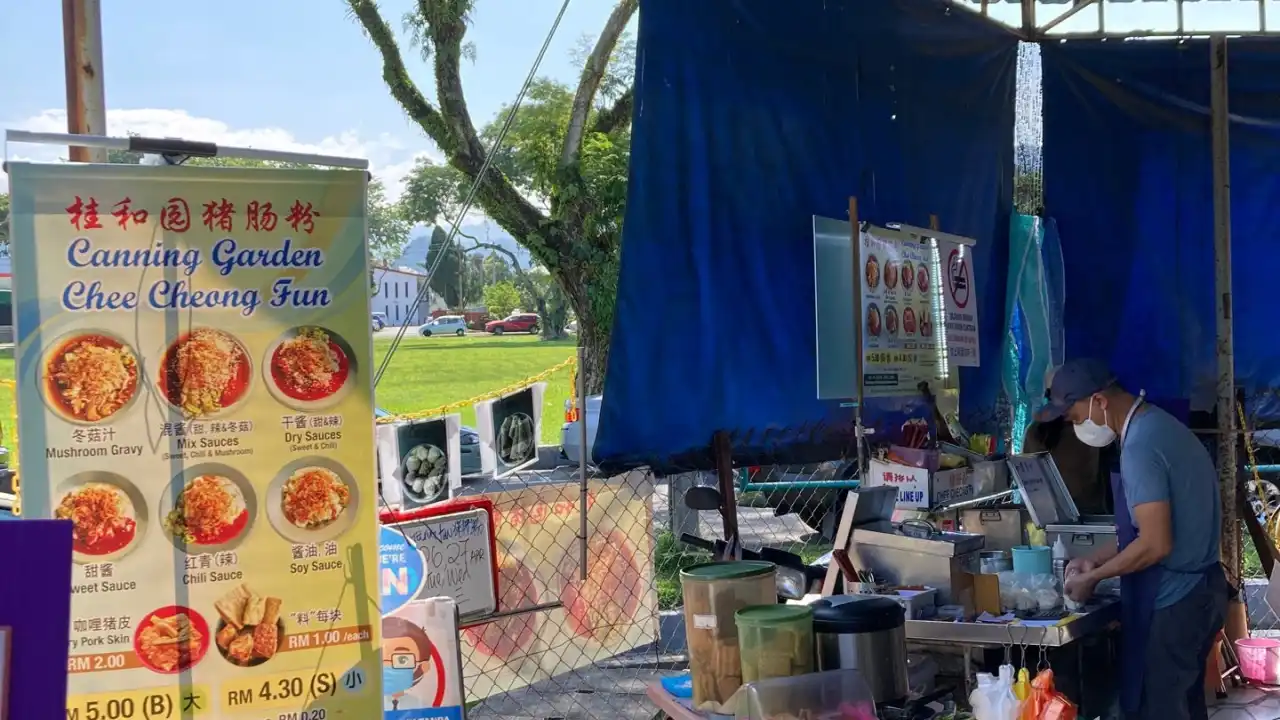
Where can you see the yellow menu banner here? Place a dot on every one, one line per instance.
(195, 396)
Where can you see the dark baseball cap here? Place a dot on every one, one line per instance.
(1073, 382)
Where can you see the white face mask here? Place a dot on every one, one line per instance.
(1093, 434)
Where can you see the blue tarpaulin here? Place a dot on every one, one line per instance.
(1128, 177)
(751, 117)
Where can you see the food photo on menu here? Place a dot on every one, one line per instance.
(891, 320)
(873, 272)
(312, 499)
(922, 279)
(212, 510)
(171, 639)
(89, 377)
(873, 319)
(909, 321)
(107, 515)
(204, 373)
(890, 275)
(309, 367)
(250, 626)
(908, 274)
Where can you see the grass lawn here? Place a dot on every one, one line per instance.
(429, 372)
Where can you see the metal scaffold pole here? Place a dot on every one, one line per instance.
(1221, 133)
(86, 95)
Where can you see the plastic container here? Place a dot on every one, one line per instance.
(837, 693)
(776, 641)
(1259, 660)
(713, 594)
(1032, 560)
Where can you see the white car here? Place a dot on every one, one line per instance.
(571, 432)
(445, 325)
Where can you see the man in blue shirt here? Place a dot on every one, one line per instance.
(1168, 516)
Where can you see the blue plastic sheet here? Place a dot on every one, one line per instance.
(1128, 176)
(751, 117)
(1034, 310)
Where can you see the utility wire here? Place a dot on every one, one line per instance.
(425, 290)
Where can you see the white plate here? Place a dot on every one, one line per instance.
(171, 491)
(293, 533)
(131, 493)
(305, 405)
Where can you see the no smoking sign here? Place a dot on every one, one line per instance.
(958, 278)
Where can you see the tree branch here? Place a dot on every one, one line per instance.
(593, 72)
(395, 75)
(450, 126)
(499, 198)
(618, 116)
(515, 263)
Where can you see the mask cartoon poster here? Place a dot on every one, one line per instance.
(421, 672)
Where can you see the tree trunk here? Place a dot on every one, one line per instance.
(591, 290)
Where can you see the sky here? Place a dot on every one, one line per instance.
(266, 74)
(292, 75)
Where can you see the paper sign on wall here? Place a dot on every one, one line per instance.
(421, 667)
(912, 482)
(960, 303)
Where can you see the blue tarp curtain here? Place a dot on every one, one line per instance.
(1128, 177)
(751, 117)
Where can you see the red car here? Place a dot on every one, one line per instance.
(520, 322)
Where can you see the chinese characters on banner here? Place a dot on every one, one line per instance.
(194, 392)
(960, 303)
(900, 313)
(912, 482)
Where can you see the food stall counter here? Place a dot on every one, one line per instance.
(981, 634)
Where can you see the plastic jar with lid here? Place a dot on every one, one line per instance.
(713, 594)
(776, 641)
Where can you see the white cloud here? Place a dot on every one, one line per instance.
(389, 156)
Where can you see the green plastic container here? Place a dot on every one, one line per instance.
(713, 594)
(776, 641)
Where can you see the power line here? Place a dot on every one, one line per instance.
(425, 290)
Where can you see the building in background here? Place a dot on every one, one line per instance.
(394, 290)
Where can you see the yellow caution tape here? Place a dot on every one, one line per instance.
(451, 407)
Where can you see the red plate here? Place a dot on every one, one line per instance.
(197, 622)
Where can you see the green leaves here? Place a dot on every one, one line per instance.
(500, 299)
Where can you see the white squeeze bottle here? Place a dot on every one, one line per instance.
(1060, 561)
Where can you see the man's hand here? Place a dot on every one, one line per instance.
(1080, 587)
(1081, 566)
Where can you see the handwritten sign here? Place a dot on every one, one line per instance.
(457, 554)
(912, 482)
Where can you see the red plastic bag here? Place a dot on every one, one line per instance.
(1045, 702)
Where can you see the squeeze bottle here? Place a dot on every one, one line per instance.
(1060, 561)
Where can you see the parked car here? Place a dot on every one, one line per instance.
(572, 328)
(468, 441)
(445, 325)
(519, 322)
(571, 432)
(6, 507)
(379, 321)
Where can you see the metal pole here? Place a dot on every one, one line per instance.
(86, 95)
(1221, 134)
(855, 236)
(582, 460)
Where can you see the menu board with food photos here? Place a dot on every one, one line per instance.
(900, 307)
(194, 395)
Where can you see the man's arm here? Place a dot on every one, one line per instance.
(1153, 544)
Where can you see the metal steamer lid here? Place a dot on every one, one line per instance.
(856, 615)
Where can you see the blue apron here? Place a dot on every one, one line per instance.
(1138, 593)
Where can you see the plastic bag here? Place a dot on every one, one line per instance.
(993, 699)
(1045, 702)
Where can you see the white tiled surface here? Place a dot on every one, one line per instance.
(1248, 703)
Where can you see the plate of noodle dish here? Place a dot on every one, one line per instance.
(204, 373)
(209, 507)
(89, 377)
(107, 512)
(309, 368)
(312, 499)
